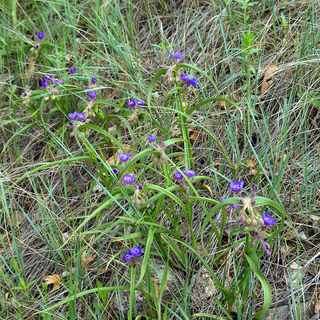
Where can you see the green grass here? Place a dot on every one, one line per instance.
(65, 212)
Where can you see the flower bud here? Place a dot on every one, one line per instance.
(137, 203)
(254, 223)
(252, 244)
(242, 219)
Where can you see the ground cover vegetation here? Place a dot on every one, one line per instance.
(159, 159)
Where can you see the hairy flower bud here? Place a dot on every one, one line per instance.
(254, 223)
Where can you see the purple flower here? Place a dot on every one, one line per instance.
(115, 171)
(24, 94)
(48, 77)
(132, 103)
(92, 94)
(128, 256)
(193, 82)
(40, 35)
(81, 116)
(268, 221)
(234, 206)
(152, 138)
(93, 80)
(236, 186)
(125, 156)
(136, 251)
(190, 173)
(140, 188)
(224, 198)
(44, 83)
(141, 103)
(128, 178)
(73, 116)
(184, 77)
(53, 80)
(254, 187)
(73, 70)
(178, 175)
(177, 55)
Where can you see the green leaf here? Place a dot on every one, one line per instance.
(254, 265)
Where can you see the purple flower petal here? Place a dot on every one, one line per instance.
(132, 103)
(224, 198)
(136, 251)
(190, 173)
(92, 94)
(128, 178)
(125, 156)
(44, 83)
(93, 80)
(177, 55)
(193, 82)
(40, 35)
(73, 116)
(115, 171)
(48, 77)
(268, 221)
(141, 103)
(236, 186)
(73, 70)
(152, 138)
(177, 175)
(128, 256)
(184, 77)
(81, 116)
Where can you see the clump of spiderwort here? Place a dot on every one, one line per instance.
(178, 178)
(161, 158)
(135, 106)
(249, 217)
(36, 47)
(26, 95)
(171, 74)
(90, 108)
(77, 120)
(139, 196)
(49, 83)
